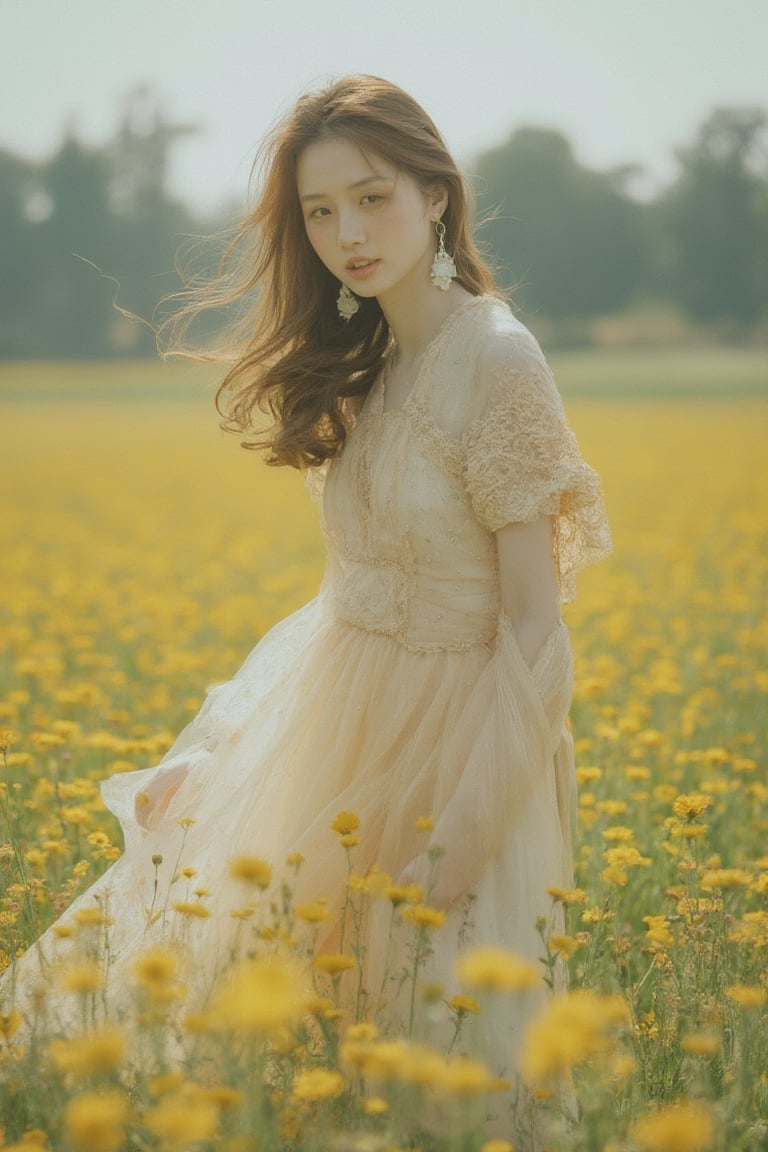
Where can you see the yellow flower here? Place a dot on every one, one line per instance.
(681, 1127)
(262, 995)
(570, 1029)
(726, 878)
(32, 1138)
(693, 831)
(186, 822)
(464, 1004)
(319, 1006)
(184, 1118)
(659, 932)
(567, 896)
(398, 1060)
(188, 873)
(94, 1052)
(564, 946)
(251, 869)
(378, 883)
(82, 978)
(64, 931)
(424, 916)
(155, 966)
(318, 1084)
(625, 856)
(349, 841)
(464, 1078)
(191, 908)
(94, 1121)
(314, 912)
(224, 1096)
(497, 1146)
(402, 894)
(425, 824)
(618, 833)
(701, 1044)
(497, 969)
(333, 963)
(168, 1082)
(612, 807)
(75, 816)
(91, 918)
(691, 805)
(375, 1106)
(345, 823)
(7, 738)
(747, 996)
(10, 1022)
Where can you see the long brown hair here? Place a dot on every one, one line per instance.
(294, 356)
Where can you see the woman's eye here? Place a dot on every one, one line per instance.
(371, 198)
(316, 213)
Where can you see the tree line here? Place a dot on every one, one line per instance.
(571, 242)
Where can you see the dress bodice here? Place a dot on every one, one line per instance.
(410, 505)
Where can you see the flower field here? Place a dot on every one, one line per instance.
(143, 555)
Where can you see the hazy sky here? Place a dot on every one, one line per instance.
(627, 80)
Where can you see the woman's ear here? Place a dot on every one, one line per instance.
(437, 197)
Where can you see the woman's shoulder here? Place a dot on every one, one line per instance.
(506, 344)
(506, 364)
(485, 350)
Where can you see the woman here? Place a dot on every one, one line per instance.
(431, 676)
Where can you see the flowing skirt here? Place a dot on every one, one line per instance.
(326, 717)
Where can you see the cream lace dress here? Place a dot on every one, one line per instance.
(399, 692)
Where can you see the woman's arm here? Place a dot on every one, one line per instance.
(527, 583)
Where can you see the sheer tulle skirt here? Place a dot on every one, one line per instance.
(324, 717)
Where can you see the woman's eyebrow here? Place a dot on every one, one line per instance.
(357, 184)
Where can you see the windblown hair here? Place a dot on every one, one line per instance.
(294, 357)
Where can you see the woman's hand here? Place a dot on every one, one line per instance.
(151, 804)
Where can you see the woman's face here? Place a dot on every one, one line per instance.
(370, 223)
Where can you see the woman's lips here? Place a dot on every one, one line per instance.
(363, 271)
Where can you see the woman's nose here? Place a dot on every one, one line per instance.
(350, 230)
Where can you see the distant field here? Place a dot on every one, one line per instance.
(627, 373)
(715, 372)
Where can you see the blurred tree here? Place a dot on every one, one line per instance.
(84, 212)
(72, 307)
(20, 214)
(569, 239)
(717, 219)
(147, 223)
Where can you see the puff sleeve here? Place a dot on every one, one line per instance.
(523, 461)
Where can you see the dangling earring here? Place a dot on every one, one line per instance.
(443, 267)
(347, 303)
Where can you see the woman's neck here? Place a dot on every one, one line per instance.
(415, 314)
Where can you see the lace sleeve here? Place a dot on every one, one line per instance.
(523, 461)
